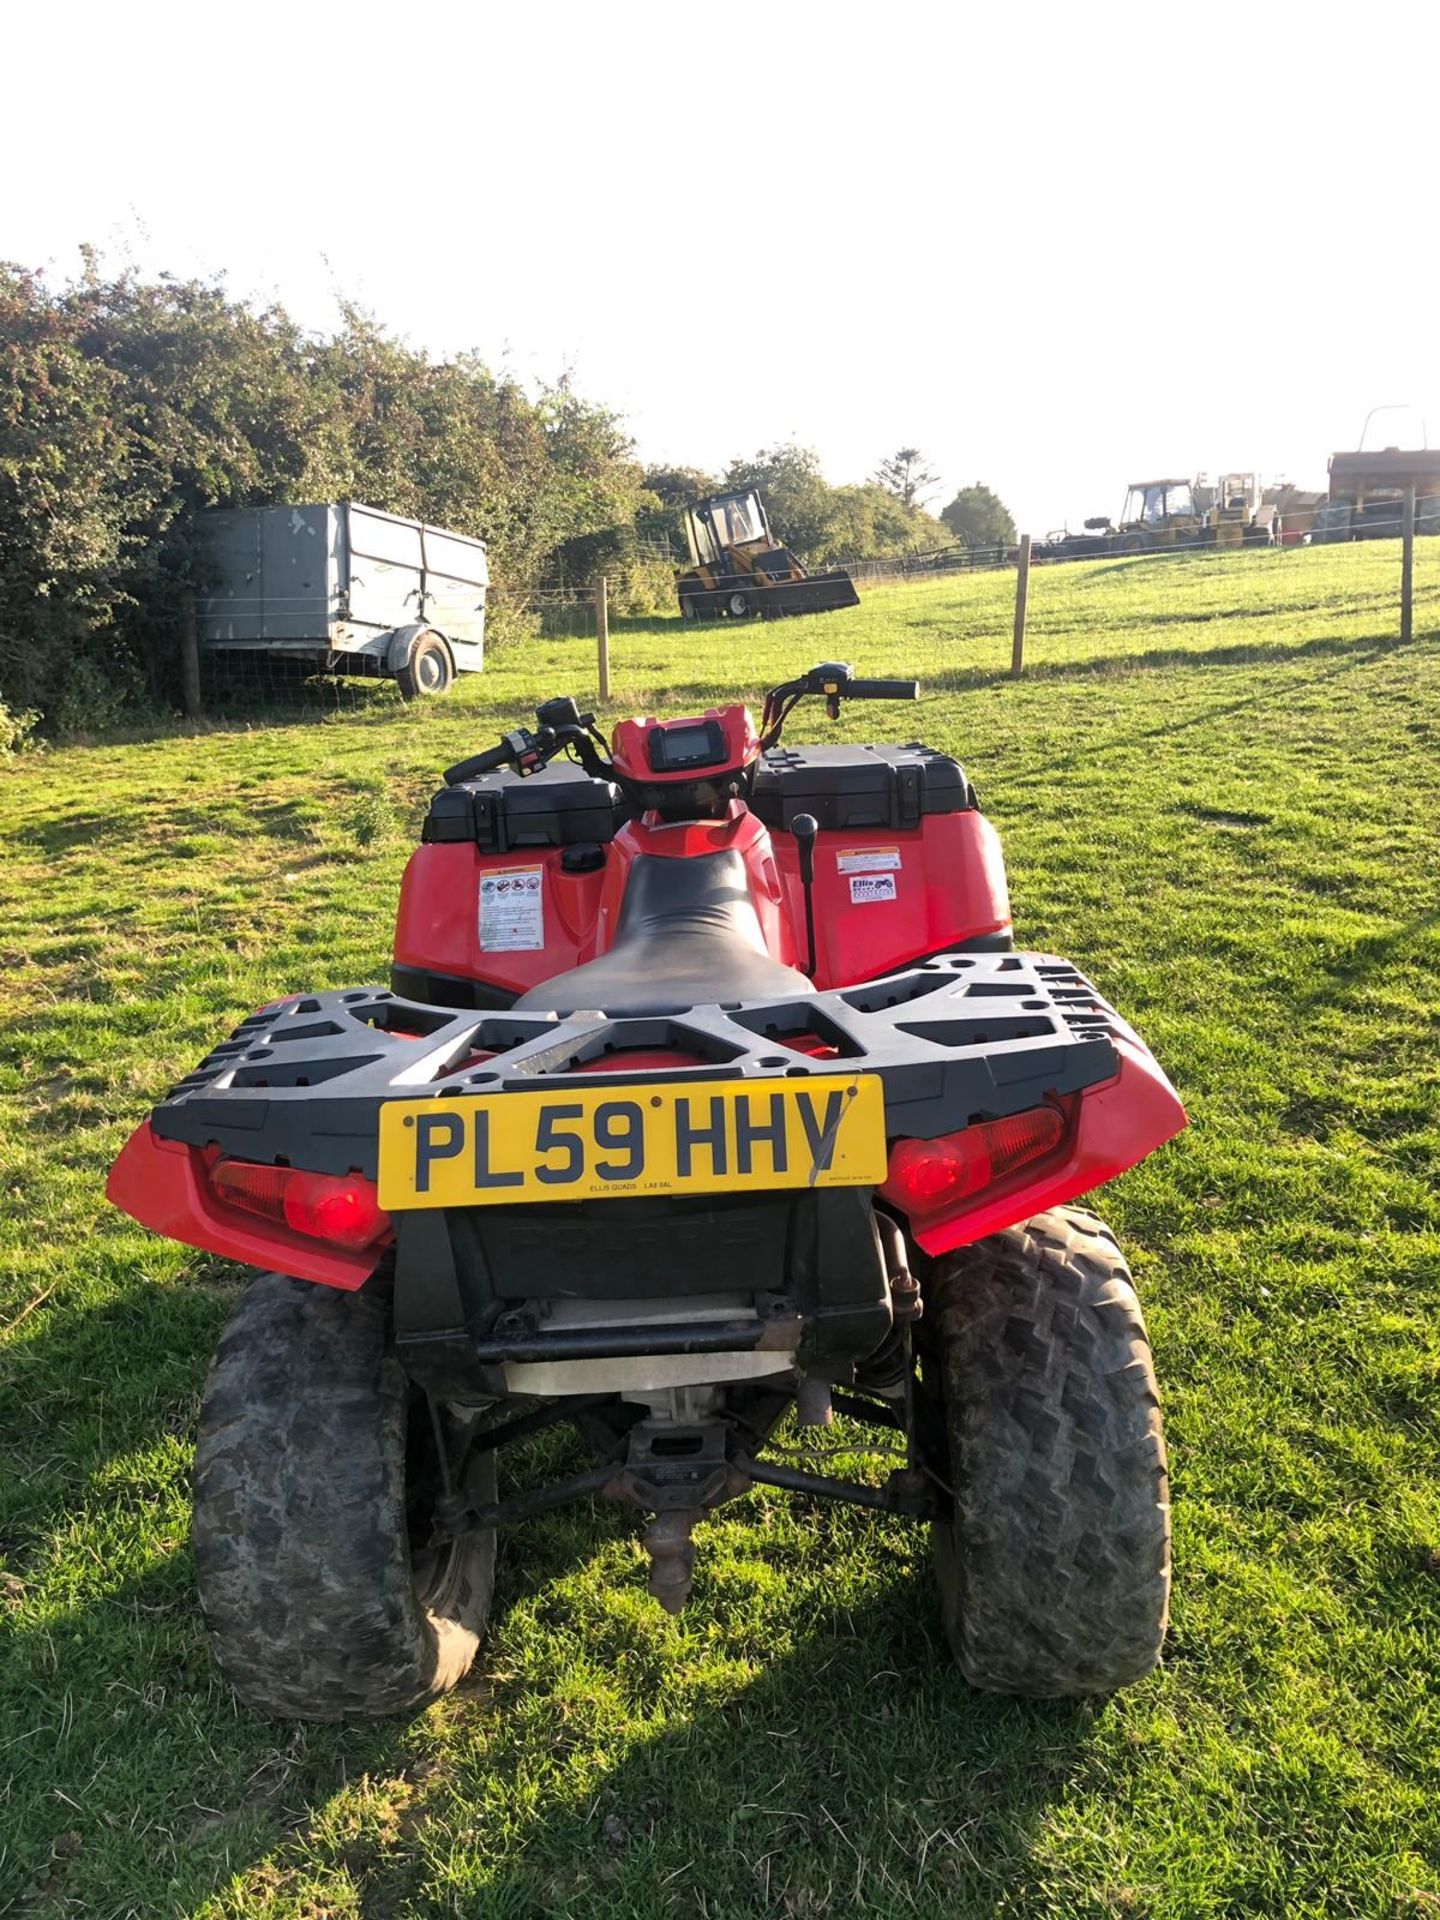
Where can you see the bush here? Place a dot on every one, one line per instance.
(127, 409)
(17, 731)
(98, 696)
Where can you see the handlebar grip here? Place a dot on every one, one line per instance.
(478, 763)
(882, 690)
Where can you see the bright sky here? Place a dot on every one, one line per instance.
(1057, 247)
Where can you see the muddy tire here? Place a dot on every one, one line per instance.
(1055, 1571)
(314, 1467)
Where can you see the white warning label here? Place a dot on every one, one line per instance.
(866, 887)
(512, 910)
(867, 859)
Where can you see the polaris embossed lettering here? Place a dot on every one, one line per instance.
(586, 1144)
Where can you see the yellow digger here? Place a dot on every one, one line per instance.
(739, 571)
(1159, 513)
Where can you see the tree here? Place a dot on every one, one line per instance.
(871, 523)
(980, 518)
(825, 524)
(127, 408)
(906, 475)
(797, 495)
(678, 486)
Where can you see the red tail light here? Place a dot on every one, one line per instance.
(341, 1208)
(931, 1176)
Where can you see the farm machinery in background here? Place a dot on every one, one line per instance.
(1233, 511)
(739, 571)
(1368, 490)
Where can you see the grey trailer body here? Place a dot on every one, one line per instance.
(347, 587)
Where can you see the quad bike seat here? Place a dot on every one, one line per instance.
(688, 936)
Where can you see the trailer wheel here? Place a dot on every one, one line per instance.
(428, 670)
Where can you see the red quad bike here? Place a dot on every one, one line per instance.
(709, 1086)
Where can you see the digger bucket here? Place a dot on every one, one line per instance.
(819, 593)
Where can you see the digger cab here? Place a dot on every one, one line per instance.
(721, 522)
(1158, 505)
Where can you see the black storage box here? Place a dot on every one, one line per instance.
(558, 807)
(891, 787)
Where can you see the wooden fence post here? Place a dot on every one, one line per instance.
(602, 633)
(1407, 567)
(190, 661)
(1022, 595)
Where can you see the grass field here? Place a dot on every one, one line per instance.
(1219, 787)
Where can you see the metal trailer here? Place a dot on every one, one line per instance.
(1368, 490)
(346, 589)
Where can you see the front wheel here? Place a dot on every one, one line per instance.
(1054, 1572)
(315, 1479)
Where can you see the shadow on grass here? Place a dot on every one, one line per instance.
(230, 713)
(82, 1384)
(56, 838)
(857, 1771)
(1370, 954)
(1095, 747)
(1159, 659)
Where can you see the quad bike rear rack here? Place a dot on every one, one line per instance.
(960, 1038)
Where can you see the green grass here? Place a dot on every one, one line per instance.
(1219, 787)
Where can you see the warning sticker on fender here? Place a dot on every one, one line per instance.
(866, 887)
(512, 910)
(867, 859)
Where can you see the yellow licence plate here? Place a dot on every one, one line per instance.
(494, 1149)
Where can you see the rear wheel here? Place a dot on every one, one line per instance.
(1054, 1573)
(315, 1480)
(429, 669)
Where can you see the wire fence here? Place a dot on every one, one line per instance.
(259, 678)
(237, 683)
(925, 566)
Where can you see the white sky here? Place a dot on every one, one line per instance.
(1057, 247)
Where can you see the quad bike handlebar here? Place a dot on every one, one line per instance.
(562, 726)
(834, 681)
(511, 748)
(883, 690)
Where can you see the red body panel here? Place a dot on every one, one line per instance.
(438, 924)
(162, 1184)
(1114, 1127)
(630, 746)
(949, 887)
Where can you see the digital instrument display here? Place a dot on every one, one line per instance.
(678, 749)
